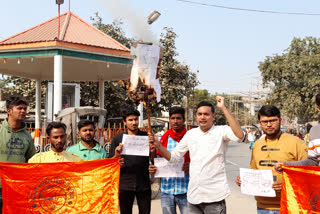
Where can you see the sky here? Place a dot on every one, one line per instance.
(224, 45)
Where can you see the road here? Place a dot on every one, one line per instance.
(238, 156)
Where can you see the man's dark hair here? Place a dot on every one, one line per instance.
(177, 110)
(309, 126)
(15, 101)
(55, 125)
(318, 99)
(130, 111)
(83, 123)
(206, 103)
(269, 110)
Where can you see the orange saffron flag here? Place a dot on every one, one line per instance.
(69, 187)
(300, 190)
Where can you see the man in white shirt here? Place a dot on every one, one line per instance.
(207, 145)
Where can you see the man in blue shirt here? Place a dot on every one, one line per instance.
(174, 190)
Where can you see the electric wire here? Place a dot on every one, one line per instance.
(250, 10)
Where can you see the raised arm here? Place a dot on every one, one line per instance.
(233, 123)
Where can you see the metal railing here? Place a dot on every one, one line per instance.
(103, 136)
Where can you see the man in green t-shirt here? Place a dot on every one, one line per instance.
(88, 148)
(16, 144)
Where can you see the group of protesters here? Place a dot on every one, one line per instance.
(203, 188)
(17, 146)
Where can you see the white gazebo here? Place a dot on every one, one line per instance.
(75, 52)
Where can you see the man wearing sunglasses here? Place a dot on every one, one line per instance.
(273, 148)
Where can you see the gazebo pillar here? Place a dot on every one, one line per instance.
(57, 85)
(37, 112)
(101, 93)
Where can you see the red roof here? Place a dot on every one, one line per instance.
(73, 29)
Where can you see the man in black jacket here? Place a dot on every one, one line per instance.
(134, 175)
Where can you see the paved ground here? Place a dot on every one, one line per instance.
(238, 156)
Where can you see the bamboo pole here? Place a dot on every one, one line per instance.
(148, 116)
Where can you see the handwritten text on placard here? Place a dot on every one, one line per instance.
(135, 145)
(257, 182)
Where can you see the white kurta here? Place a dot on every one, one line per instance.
(208, 180)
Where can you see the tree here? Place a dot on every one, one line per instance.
(203, 95)
(294, 78)
(116, 98)
(25, 88)
(176, 79)
(2, 83)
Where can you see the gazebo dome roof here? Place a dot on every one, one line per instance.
(73, 30)
(88, 53)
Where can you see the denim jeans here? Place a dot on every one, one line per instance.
(218, 207)
(169, 202)
(265, 211)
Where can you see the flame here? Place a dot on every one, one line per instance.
(120, 81)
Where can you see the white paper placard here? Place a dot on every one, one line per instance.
(257, 182)
(135, 145)
(167, 169)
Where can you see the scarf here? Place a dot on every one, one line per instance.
(177, 137)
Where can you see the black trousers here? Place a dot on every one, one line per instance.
(1, 202)
(126, 199)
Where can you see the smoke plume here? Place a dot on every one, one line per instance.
(136, 19)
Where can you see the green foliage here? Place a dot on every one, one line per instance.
(116, 98)
(3, 83)
(25, 88)
(203, 95)
(232, 102)
(294, 78)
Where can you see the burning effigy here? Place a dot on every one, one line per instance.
(144, 79)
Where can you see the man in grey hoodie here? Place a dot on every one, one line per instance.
(16, 144)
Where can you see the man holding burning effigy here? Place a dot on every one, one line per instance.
(207, 145)
(174, 189)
